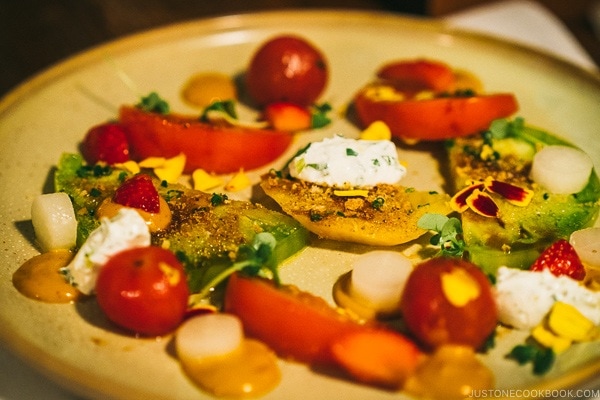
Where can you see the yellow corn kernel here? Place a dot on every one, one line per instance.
(350, 193)
(171, 169)
(567, 321)
(378, 130)
(459, 287)
(238, 182)
(205, 181)
(130, 166)
(548, 339)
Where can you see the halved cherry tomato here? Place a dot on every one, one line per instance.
(419, 74)
(303, 327)
(433, 119)
(418, 100)
(218, 149)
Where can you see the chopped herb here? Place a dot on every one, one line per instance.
(340, 214)
(351, 152)
(96, 171)
(378, 203)
(173, 194)
(154, 103)
(95, 192)
(218, 199)
(542, 358)
(318, 167)
(376, 162)
(315, 216)
(164, 184)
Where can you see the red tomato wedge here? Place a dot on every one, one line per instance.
(305, 328)
(437, 118)
(419, 74)
(293, 323)
(218, 149)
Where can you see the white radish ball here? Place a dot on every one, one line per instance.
(208, 335)
(378, 279)
(54, 222)
(586, 243)
(561, 169)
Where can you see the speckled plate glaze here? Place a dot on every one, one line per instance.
(50, 113)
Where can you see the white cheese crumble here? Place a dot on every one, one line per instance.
(342, 162)
(525, 297)
(125, 230)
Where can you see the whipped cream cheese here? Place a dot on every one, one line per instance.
(525, 297)
(342, 162)
(125, 230)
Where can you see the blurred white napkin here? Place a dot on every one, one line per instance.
(522, 21)
(526, 22)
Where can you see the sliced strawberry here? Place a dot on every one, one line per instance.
(138, 192)
(561, 259)
(106, 142)
(289, 117)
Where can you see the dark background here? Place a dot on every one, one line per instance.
(34, 34)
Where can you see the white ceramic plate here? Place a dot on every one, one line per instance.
(50, 114)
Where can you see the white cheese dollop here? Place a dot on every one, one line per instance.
(342, 162)
(125, 230)
(525, 297)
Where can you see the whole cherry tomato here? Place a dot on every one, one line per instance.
(105, 142)
(287, 68)
(449, 301)
(143, 290)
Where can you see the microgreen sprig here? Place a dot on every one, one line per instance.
(252, 259)
(448, 233)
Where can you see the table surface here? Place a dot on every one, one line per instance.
(36, 34)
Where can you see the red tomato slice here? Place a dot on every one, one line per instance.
(435, 119)
(294, 324)
(218, 149)
(419, 75)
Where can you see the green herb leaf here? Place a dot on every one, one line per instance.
(227, 106)
(541, 358)
(251, 259)
(448, 236)
(154, 103)
(319, 117)
(351, 152)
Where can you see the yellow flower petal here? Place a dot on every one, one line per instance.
(238, 182)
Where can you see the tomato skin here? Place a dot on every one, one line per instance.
(418, 75)
(435, 119)
(297, 326)
(218, 149)
(434, 320)
(287, 68)
(143, 290)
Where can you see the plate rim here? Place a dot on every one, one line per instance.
(85, 383)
